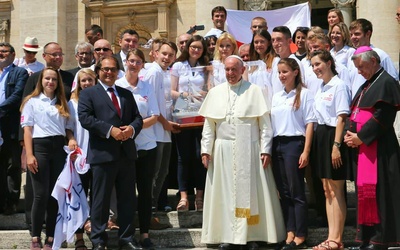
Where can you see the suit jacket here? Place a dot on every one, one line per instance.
(97, 114)
(119, 59)
(74, 70)
(9, 109)
(67, 78)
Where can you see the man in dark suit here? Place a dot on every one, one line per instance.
(112, 118)
(54, 57)
(12, 83)
(84, 55)
(128, 40)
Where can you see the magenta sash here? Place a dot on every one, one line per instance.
(367, 174)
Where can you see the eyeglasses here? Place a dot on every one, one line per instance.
(102, 49)
(196, 48)
(55, 54)
(106, 70)
(134, 62)
(4, 51)
(81, 54)
(183, 42)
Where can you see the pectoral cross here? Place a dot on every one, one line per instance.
(355, 112)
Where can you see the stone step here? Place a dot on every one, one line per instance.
(190, 219)
(185, 231)
(169, 238)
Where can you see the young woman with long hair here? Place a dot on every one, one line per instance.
(292, 119)
(44, 117)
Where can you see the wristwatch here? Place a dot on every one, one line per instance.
(337, 144)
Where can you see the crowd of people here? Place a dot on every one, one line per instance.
(273, 117)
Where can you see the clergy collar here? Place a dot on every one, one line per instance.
(373, 78)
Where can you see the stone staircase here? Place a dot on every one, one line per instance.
(185, 232)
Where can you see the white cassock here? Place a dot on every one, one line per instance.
(241, 200)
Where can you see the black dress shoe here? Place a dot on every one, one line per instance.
(130, 246)
(99, 246)
(225, 246)
(252, 245)
(374, 247)
(363, 245)
(292, 245)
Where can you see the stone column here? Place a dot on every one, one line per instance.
(346, 6)
(97, 17)
(3, 30)
(386, 30)
(163, 19)
(47, 22)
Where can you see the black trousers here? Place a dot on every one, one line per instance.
(145, 172)
(50, 157)
(289, 178)
(122, 174)
(10, 172)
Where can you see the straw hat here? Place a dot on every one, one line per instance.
(31, 44)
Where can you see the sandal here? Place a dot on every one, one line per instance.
(80, 245)
(36, 244)
(198, 204)
(327, 246)
(183, 205)
(87, 227)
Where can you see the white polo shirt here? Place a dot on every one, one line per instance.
(313, 83)
(147, 104)
(158, 79)
(332, 100)
(41, 113)
(286, 121)
(343, 55)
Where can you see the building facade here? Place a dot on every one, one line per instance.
(65, 21)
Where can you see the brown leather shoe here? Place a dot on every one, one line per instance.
(156, 225)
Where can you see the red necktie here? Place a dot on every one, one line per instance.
(114, 100)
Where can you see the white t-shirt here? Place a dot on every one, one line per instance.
(214, 32)
(189, 78)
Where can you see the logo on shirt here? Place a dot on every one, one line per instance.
(22, 118)
(328, 98)
(143, 98)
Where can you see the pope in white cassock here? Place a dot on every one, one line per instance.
(241, 204)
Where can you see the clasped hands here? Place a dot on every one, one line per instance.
(122, 133)
(351, 139)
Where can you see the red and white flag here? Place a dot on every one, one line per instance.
(239, 21)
